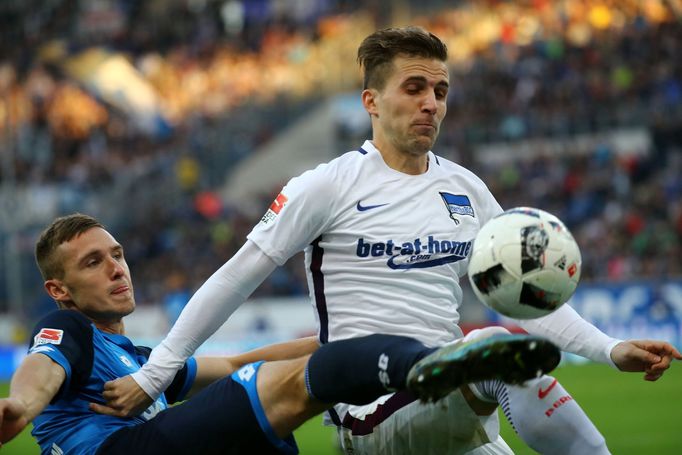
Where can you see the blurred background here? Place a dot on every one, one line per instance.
(176, 122)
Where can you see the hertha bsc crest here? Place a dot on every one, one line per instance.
(458, 205)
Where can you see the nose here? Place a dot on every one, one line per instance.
(116, 268)
(429, 103)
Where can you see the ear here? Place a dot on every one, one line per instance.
(369, 101)
(58, 291)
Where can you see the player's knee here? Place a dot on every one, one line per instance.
(283, 395)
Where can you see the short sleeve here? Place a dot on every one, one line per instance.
(297, 216)
(66, 337)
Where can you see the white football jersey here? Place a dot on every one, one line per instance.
(384, 250)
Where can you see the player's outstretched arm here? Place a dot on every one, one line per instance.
(649, 356)
(205, 312)
(210, 369)
(34, 384)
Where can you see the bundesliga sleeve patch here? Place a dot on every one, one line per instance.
(48, 336)
(276, 207)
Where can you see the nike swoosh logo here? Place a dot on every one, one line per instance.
(362, 208)
(543, 393)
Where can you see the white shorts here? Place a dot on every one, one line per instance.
(398, 424)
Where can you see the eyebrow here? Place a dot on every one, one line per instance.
(423, 79)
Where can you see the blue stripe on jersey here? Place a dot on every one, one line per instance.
(318, 288)
(436, 158)
(363, 151)
(246, 377)
(189, 379)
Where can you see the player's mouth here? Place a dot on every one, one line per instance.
(120, 289)
(425, 127)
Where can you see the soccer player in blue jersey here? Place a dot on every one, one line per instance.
(75, 350)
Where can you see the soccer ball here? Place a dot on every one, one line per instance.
(525, 263)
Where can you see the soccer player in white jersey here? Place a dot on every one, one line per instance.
(387, 231)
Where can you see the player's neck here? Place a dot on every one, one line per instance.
(112, 327)
(407, 163)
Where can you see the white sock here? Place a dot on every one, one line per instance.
(545, 416)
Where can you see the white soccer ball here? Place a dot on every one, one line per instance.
(525, 263)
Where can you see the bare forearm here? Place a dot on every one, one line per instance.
(280, 351)
(210, 369)
(35, 383)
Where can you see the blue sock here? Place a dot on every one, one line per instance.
(359, 370)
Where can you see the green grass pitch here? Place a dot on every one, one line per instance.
(635, 416)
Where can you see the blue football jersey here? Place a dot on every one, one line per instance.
(90, 358)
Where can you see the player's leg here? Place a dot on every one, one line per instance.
(284, 397)
(541, 411)
(545, 416)
(357, 371)
(400, 424)
(253, 408)
(221, 419)
(510, 358)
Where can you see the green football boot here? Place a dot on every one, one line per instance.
(513, 359)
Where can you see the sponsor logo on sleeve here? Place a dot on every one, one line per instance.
(276, 207)
(48, 336)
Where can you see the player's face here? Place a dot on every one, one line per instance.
(96, 277)
(411, 106)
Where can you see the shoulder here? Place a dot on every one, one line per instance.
(328, 179)
(336, 169)
(61, 327)
(64, 319)
(458, 170)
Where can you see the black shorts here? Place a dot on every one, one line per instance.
(224, 418)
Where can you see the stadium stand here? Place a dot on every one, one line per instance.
(564, 84)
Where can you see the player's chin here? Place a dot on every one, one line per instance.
(423, 143)
(125, 306)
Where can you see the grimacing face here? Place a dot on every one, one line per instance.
(412, 104)
(96, 277)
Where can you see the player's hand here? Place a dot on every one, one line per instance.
(124, 398)
(651, 357)
(12, 419)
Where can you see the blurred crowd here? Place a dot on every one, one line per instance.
(227, 76)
